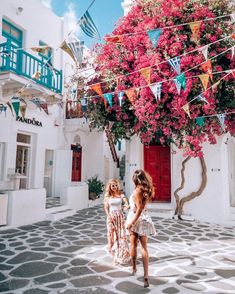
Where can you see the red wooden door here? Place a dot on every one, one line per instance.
(157, 164)
(76, 163)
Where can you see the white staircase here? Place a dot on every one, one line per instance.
(57, 213)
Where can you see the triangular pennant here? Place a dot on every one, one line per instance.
(175, 63)
(109, 98)
(221, 118)
(178, 85)
(182, 80)
(201, 97)
(16, 106)
(154, 36)
(111, 123)
(146, 72)
(44, 106)
(195, 28)
(156, 89)
(60, 103)
(97, 89)
(23, 110)
(77, 50)
(64, 46)
(200, 121)
(232, 17)
(84, 104)
(40, 49)
(207, 67)
(186, 109)
(3, 108)
(36, 75)
(204, 51)
(36, 101)
(120, 97)
(131, 95)
(204, 80)
(114, 39)
(9, 105)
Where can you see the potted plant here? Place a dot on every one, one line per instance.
(95, 186)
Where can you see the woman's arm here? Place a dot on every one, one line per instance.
(139, 207)
(106, 208)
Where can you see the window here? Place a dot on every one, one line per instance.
(2, 160)
(23, 153)
(12, 33)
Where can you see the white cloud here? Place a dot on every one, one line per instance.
(47, 3)
(71, 20)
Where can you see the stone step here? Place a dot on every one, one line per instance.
(57, 215)
(163, 213)
(57, 208)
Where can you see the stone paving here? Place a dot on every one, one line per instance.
(70, 257)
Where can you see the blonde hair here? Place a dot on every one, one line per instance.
(108, 191)
(144, 182)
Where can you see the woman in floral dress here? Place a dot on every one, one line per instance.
(116, 235)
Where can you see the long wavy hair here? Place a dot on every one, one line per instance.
(144, 182)
(108, 191)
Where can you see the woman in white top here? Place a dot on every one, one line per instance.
(139, 222)
(116, 235)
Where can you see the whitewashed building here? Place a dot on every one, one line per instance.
(41, 154)
(217, 202)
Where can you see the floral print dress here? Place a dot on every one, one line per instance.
(116, 234)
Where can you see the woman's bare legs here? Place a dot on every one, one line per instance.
(145, 258)
(134, 243)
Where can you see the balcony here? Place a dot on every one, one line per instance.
(73, 110)
(24, 64)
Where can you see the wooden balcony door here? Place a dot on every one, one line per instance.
(76, 163)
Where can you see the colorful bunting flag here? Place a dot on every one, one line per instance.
(97, 89)
(195, 28)
(204, 80)
(77, 50)
(36, 75)
(23, 110)
(36, 101)
(64, 46)
(182, 80)
(109, 98)
(131, 95)
(204, 51)
(120, 97)
(200, 121)
(9, 105)
(114, 39)
(221, 118)
(146, 72)
(40, 49)
(207, 67)
(186, 109)
(88, 26)
(44, 106)
(3, 108)
(178, 86)
(175, 63)
(154, 36)
(156, 89)
(16, 105)
(201, 97)
(84, 104)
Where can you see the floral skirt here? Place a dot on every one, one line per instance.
(117, 241)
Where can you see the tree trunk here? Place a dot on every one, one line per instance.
(181, 201)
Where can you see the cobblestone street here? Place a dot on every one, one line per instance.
(69, 257)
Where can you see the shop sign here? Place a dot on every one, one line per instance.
(30, 121)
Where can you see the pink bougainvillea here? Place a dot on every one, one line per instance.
(164, 120)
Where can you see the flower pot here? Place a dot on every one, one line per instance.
(92, 196)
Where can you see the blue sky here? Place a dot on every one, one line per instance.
(105, 14)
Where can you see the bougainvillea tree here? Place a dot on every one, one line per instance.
(203, 108)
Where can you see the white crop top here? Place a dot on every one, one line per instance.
(115, 203)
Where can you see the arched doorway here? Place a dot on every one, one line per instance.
(76, 163)
(157, 164)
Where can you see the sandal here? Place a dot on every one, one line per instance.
(146, 283)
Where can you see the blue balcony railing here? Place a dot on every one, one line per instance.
(25, 64)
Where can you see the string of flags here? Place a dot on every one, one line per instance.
(175, 61)
(154, 34)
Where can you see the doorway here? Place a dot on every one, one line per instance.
(76, 163)
(157, 164)
(48, 171)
